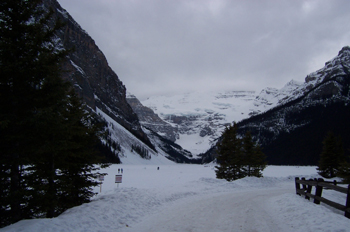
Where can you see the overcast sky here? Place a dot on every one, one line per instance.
(160, 47)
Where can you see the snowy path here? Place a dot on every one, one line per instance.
(236, 211)
(189, 198)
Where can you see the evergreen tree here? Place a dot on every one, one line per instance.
(259, 162)
(248, 153)
(50, 131)
(254, 158)
(344, 172)
(46, 137)
(223, 157)
(237, 157)
(64, 169)
(332, 156)
(77, 163)
(26, 56)
(229, 155)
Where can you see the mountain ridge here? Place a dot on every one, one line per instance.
(292, 133)
(104, 94)
(200, 120)
(202, 116)
(319, 87)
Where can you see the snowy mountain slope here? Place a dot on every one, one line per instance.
(171, 150)
(87, 69)
(292, 132)
(127, 140)
(199, 118)
(101, 89)
(189, 198)
(165, 151)
(151, 120)
(93, 79)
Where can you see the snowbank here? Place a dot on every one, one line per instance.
(190, 198)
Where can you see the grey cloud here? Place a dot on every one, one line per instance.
(166, 47)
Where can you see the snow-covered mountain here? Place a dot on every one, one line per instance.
(293, 131)
(200, 117)
(194, 120)
(151, 120)
(104, 94)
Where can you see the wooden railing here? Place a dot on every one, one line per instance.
(304, 187)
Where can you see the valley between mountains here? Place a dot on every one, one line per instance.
(197, 119)
(167, 147)
(290, 115)
(289, 123)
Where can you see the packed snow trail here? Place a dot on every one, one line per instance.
(236, 211)
(189, 198)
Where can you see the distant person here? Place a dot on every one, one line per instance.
(121, 170)
(118, 170)
(158, 168)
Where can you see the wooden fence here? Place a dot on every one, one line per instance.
(304, 187)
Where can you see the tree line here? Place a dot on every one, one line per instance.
(241, 157)
(48, 160)
(143, 152)
(333, 162)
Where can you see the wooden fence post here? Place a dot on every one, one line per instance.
(347, 204)
(297, 186)
(308, 190)
(318, 191)
(304, 185)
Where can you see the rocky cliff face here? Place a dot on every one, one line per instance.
(292, 132)
(105, 95)
(151, 120)
(87, 68)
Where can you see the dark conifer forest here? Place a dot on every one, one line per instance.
(48, 162)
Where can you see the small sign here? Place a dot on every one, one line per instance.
(118, 178)
(101, 177)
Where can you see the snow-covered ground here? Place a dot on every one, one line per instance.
(189, 198)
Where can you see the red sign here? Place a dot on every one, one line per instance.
(118, 178)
